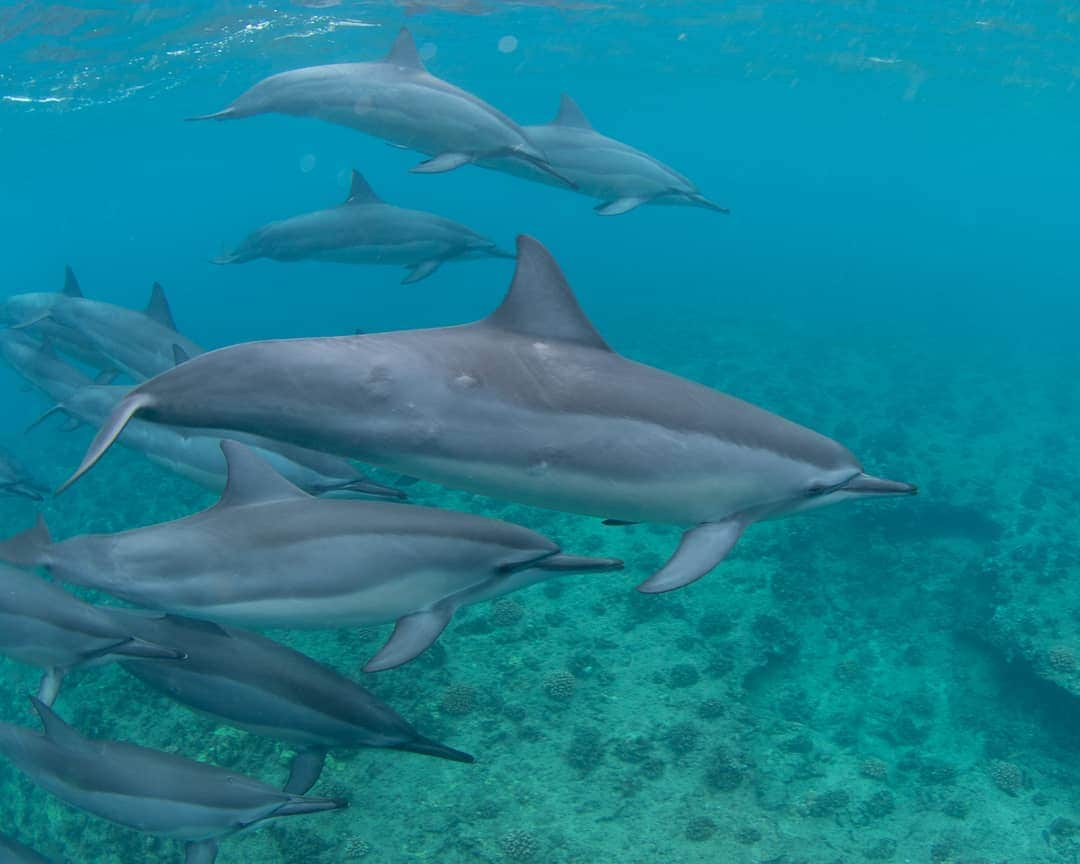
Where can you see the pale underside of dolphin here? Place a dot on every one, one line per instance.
(267, 688)
(148, 790)
(529, 404)
(366, 230)
(621, 176)
(43, 625)
(269, 555)
(398, 100)
(196, 453)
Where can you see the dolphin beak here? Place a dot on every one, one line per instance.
(496, 252)
(866, 484)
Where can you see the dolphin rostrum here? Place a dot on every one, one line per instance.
(43, 625)
(621, 176)
(148, 790)
(366, 230)
(529, 404)
(398, 100)
(269, 555)
(13, 852)
(266, 688)
(196, 453)
(17, 482)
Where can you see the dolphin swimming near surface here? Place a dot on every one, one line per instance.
(196, 453)
(266, 688)
(13, 852)
(269, 555)
(43, 625)
(366, 230)
(398, 100)
(150, 791)
(529, 404)
(622, 177)
(16, 481)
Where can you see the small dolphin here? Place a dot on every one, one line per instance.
(17, 482)
(196, 453)
(32, 312)
(621, 176)
(150, 791)
(269, 555)
(13, 852)
(398, 100)
(40, 365)
(266, 688)
(43, 625)
(365, 230)
(529, 404)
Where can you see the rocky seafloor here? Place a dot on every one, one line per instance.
(882, 682)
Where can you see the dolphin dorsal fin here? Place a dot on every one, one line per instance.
(71, 284)
(570, 114)
(179, 355)
(360, 192)
(158, 307)
(540, 303)
(404, 53)
(251, 479)
(57, 730)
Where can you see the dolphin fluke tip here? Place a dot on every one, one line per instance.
(114, 424)
(224, 114)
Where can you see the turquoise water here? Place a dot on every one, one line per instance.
(886, 681)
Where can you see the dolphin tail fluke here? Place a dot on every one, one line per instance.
(578, 564)
(29, 548)
(700, 550)
(433, 748)
(225, 114)
(114, 424)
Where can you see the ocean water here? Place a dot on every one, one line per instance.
(882, 681)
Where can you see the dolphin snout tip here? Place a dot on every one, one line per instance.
(867, 484)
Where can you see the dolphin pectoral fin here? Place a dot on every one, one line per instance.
(421, 271)
(49, 688)
(204, 852)
(700, 549)
(620, 206)
(307, 765)
(412, 635)
(142, 650)
(114, 424)
(31, 322)
(442, 163)
(57, 730)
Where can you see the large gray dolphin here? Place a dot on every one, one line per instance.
(16, 481)
(43, 625)
(269, 555)
(398, 100)
(621, 176)
(150, 791)
(196, 453)
(13, 852)
(366, 230)
(31, 311)
(266, 688)
(528, 404)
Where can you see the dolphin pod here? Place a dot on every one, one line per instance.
(594, 432)
(269, 555)
(366, 230)
(398, 100)
(154, 792)
(622, 177)
(43, 625)
(266, 688)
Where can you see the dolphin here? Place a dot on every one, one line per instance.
(13, 852)
(398, 100)
(269, 555)
(39, 364)
(529, 404)
(43, 625)
(196, 453)
(366, 230)
(31, 311)
(17, 482)
(150, 791)
(266, 688)
(622, 177)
